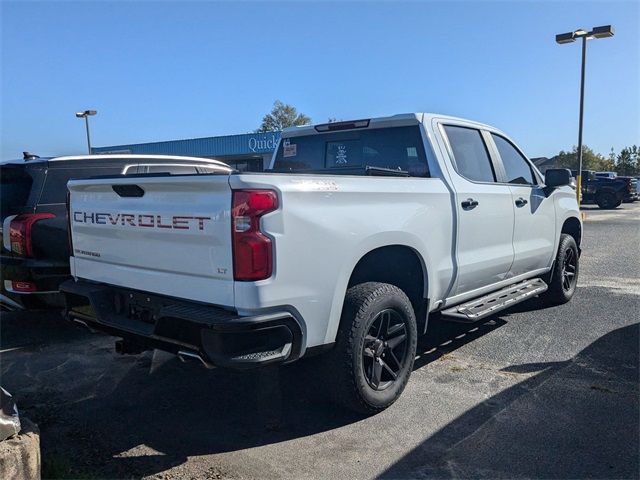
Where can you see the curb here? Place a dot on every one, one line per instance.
(20, 455)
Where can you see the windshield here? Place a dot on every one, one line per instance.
(354, 152)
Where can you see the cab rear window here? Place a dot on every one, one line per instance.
(353, 152)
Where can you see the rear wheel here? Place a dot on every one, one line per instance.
(607, 200)
(564, 279)
(375, 347)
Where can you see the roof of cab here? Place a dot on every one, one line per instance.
(402, 119)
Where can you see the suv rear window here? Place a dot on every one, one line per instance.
(15, 186)
(55, 184)
(351, 152)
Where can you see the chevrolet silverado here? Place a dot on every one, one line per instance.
(357, 233)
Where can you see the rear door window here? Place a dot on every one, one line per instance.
(470, 154)
(351, 152)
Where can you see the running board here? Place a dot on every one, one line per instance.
(482, 307)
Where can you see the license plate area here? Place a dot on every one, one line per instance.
(137, 306)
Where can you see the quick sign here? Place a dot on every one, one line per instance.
(264, 143)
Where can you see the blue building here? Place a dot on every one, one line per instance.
(250, 152)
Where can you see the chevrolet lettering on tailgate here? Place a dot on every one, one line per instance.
(179, 222)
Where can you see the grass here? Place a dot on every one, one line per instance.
(59, 467)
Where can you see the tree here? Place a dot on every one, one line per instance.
(282, 116)
(627, 161)
(590, 159)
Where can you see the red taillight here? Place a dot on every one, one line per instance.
(20, 232)
(252, 250)
(20, 286)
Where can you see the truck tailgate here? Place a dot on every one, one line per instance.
(165, 234)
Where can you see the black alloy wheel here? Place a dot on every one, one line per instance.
(564, 276)
(375, 348)
(384, 352)
(569, 268)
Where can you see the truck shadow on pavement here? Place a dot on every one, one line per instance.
(96, 408)
(569, 419)
(113, 416)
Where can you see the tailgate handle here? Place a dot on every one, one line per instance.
(128, 190)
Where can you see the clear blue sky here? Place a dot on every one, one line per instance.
(171, 70)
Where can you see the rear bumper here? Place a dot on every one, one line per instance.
(216, 336)
(47, 275)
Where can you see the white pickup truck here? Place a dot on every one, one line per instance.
(358, 232)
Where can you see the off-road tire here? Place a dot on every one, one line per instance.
(558, 293)
(365, 304)
(607, 201)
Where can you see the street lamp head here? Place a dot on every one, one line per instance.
(597, 32)
(602, 32)
(86, 113)
(565, 38)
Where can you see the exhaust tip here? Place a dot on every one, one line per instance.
(186, 356)
(84, 324)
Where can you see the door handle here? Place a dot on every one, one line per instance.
(469, 204)
(521, 202)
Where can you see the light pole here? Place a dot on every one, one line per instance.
(597, 32)
(86, 114)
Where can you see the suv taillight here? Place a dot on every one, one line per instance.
(252, 249)
(20, 232)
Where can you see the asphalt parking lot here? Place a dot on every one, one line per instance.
(543, 393)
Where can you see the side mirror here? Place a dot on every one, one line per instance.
(557, 177)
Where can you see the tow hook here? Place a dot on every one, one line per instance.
(125, 347)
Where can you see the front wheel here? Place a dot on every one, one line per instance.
(564, 278)
(375, 347)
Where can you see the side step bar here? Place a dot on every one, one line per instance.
(482, 307)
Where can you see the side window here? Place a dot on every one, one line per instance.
(55, 184)
(173, 169)
(470, 154)
(517, 168)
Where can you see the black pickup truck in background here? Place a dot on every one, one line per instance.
(607, 193)
(35, 255)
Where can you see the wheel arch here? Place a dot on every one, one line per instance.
(397, 264)
(572, 226)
